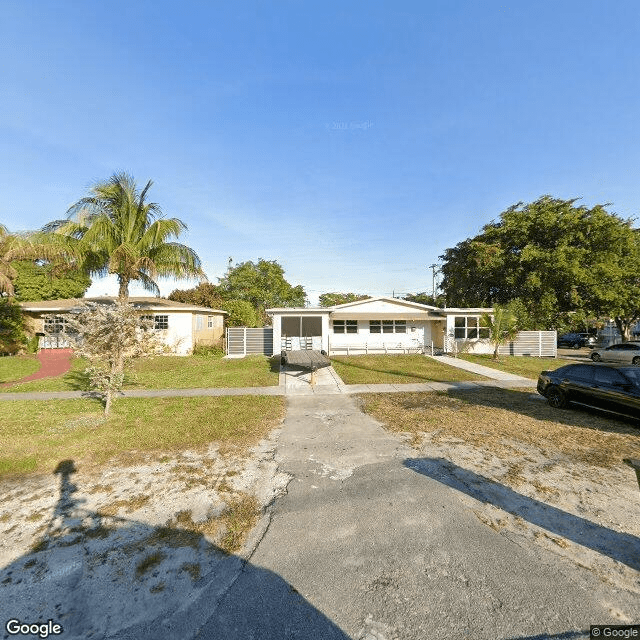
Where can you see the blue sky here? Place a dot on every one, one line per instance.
(353, 142)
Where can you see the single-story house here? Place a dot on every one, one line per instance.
(379, 325)
(182, 326)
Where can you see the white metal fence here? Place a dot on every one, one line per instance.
(246, 340)
(532, 343)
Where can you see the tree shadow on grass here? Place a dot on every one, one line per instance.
(621, 547)
(104, 576)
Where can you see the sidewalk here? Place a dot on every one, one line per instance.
(297, 382)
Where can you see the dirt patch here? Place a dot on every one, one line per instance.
(525, 469)
(119, 545)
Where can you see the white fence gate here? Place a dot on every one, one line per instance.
(245, 340)
(532, 343)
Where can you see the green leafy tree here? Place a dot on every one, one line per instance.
(204, 295)
(116, 231)
(560, 262)
(334, 298)
(262, 284)
(502, 325)
(41, 281)
(426, 298)
(12, 337)
(241, 314)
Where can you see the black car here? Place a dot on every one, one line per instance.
(577, 340)
(598, 385)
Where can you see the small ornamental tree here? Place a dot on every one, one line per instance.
(110, 337)
(503, 327)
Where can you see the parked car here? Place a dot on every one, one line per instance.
(614, 388)
(577, 340)
(623, 353)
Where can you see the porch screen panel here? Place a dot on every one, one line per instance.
(311, 326)
(290, 326)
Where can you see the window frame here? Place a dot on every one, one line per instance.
(345, 325)
(470, 328)
(387, 326)
(55, 321)
(157, 321)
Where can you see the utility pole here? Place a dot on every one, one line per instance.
(433, 281)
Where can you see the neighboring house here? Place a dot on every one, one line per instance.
(379, 325)
(182, 326)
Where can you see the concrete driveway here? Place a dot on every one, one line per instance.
(366, 546)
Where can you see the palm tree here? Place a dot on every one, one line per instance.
(7, 273)
(29, 246)
(503, 327)
(117, 231)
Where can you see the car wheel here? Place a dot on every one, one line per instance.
(596, 357)
(636, 361)
(556, 398)
(576, 345)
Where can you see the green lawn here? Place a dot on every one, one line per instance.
(38, 435)
(16, 367)
(526, 366)
(167, 372)
(377, 369)
(185, 372)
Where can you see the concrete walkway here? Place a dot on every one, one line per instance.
(294, 382)
(481, 370)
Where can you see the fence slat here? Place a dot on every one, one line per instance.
(249, 340)
(531, 343)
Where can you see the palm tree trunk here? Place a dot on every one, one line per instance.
(123, 291)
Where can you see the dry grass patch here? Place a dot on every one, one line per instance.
(132, 504)
(239, 517)
(149, 562)
(498, 419)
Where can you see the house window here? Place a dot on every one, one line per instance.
(209, 322)
(162, 322)
(387, 326)
(55, 324)
(159, 322)
(469, 328)
(199, 322)
(345, 326)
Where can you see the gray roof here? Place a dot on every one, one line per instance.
(140, 302)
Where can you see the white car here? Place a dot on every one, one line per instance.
(623, 353)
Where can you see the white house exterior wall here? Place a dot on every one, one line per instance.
(178, 336)
(365, 341)
(468, 346)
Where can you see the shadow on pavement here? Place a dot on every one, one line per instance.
(622, 547)
(102, 576)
